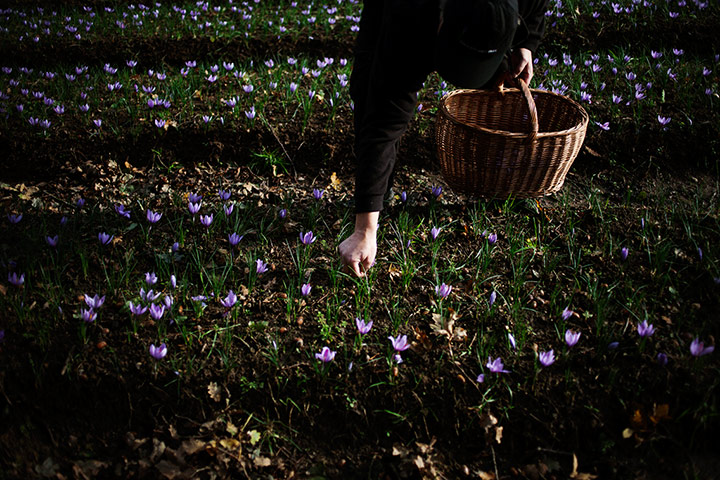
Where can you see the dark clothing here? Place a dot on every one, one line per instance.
(392, 60)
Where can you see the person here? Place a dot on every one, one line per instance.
(470, 43)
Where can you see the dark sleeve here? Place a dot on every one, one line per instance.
(533, 15)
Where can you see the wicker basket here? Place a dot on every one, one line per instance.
(518, 142)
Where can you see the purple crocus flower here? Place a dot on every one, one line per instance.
(52, 241)
(15, 280)
(661, 359)
(206, 220)
(436, 191)
(88, 315)
(153, 217)
(700, 253)
(158, 353)
(194, 207)
(492, 238)
(571, 338)
(400, 343)
(175, 247)
(104, 238)
(698, 348)
(566, 313)
(94, 302)
(325, 355)
(443, 291)
(318, 193)
(282, 213)
(624, 253)
(511, 339)
(234, 238)
(230, 300)
(305, 289)
(663, 120)
(157, 311)
(645, 330)
(194, 197)
(150, 278)
(307, 238)
(98, 122)
(228, 209)
(260, 266)
(150, 296)
(363, 327)
(398, 358)
(546, 358)
(122, 211)
(138, 309)
(496, 366)
(481, 378)
(14, 218)
(434, 232)
(493, 296)
(604, 126)
(224, 195)
(173, 281)
(159, 123)
(403, 197)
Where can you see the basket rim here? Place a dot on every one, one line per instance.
(514, 91)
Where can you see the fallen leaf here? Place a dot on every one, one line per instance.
(214, 391)
(254, 436)
(192, 446)
(579, 476)
(231, 429)
(335, 183)
(262, 462)
(627, 433)
(498, 434)
(168, 469)
(661, 412)
(230, 444)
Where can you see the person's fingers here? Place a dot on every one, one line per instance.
(356, 269)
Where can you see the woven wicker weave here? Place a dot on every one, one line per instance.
(518, 142)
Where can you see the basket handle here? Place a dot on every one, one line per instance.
(532, 109)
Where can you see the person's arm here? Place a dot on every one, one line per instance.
(359, 249)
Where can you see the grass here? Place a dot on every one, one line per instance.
(244, 373)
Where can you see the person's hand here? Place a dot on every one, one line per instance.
(521, 66)
(358, 251)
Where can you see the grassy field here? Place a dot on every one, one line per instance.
(178, 178)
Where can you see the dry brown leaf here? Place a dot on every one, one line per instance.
(214, 391)
(498, 434)
(485, 475)
(262, 461)
(335, 183)
(627, 433)
(580, 476)
(168, 469)
(192, 446)
(661, 412)
(231, 429)
(230, 444)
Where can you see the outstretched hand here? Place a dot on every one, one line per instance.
(358, 251)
